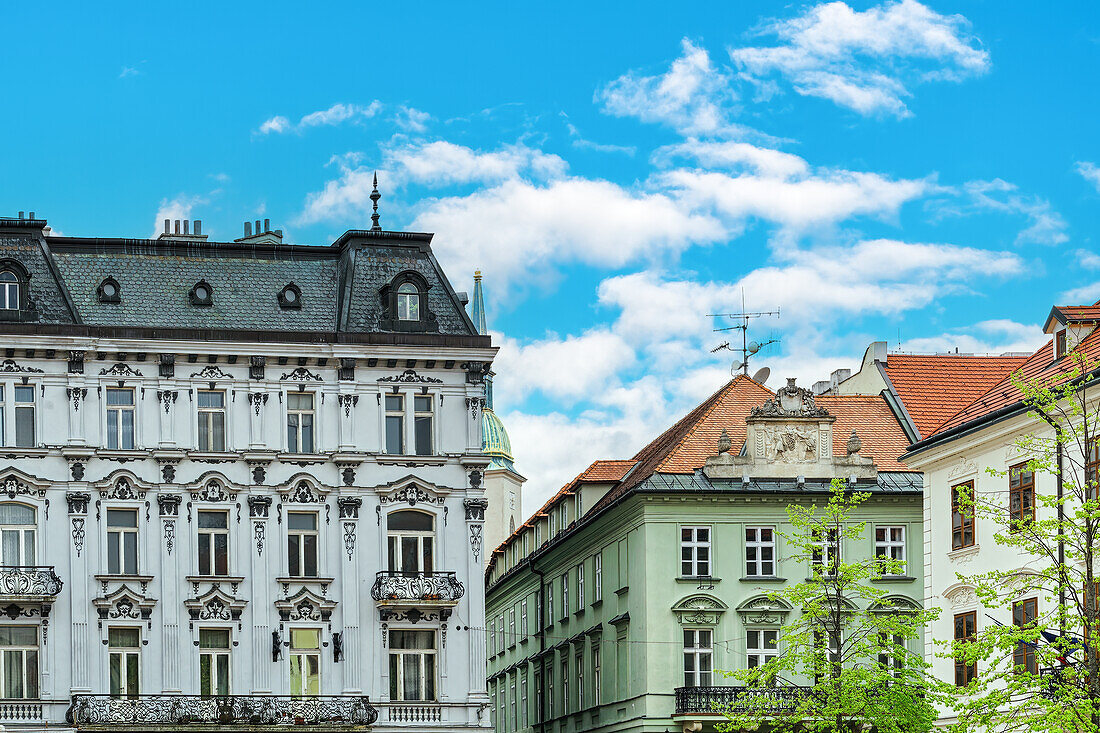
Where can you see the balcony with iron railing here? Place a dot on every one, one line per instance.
(29, 582)
(719, 699)
(432, 587)
(154, 712)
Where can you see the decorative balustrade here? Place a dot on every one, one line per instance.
(38, 581)
(415, 713)
(776, 700)
(221, 710)
(395, 585)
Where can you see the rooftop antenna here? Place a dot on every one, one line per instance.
(374, 196)
(748, 348)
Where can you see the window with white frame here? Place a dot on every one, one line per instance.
(891, 654)
(523, 717)
(124, 661)
(18, 531)
(889, 545)
(423, 416)
(597, 674)
(411, 541)
(213, 542)
(578, 669)
(492, 629)
(759, 551)
(513, 706)
(213, 662)
(412, 665)
(22, 408)
(120, 418)
(564, 594)
(122, 541)
(19, 662)
(549, 604)
(698, 657)
(302, 540)
(694, 551)
(523, 619)
(211, 411)
(511, 627)
(564, 683)
(548, 679)
(761, 646)
(9, 291)
(305, 662)
(300, 422)
(500, 633)
(408, 302)
(597, 577)
(580, 587)
(395, 424)
(825, 558)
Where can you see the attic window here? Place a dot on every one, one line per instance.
(405, 304)
(108, 291)
(9, 291)
(1060, 344)
(290, 296)
(202, 294)
(408, 302)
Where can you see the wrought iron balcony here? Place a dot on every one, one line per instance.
(154, 711)
(716, 700)
(395, 585)
(29, 581)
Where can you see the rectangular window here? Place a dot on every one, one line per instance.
(523, 619)
(759, 551)
(580, 587)
(548, 680)
(889, 545)
(299, 422)
(962, 517)
(422, 422)
(1092, 470)
(597, 577)
(825, 558)
(24, 415)
(564, 595)
(301, 544)
(213, 662)
(597, 674)
(578, 668)
(564, 684)
(966, 629)
(395, 424)
(124, 648)
(17, 535)
(512, 627)
(523, 718)
(211, 407)
(120, 418)
(1060, 344)
(513, 707)
(694, 551)
(762, 645)
(412, 665)
(500, 632)
(19, 662)
(122, 540)
(1025, 613)
(549, 604)
(305, 662)
(698, 656)
(3, 439)
(213, 542)
(1021, 495)
(891, 654)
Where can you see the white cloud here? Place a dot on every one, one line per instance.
(443, 163)
(1086, 258)
(1045, 225)
(1090, 172)
(549, 365)
(864, 60)
(997, 336)
(128, 71)
(335, 115)
(736, 155)
(179, 207)
(1084, 295)
(411, 119)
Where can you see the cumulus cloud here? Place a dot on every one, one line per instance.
(1090, 172)
(179, 207)
(865, 61)
(442, 163)
(996, 336)
(335, 115)
(734, 155)
(411, 119)
(548, 364)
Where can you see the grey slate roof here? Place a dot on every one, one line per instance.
(340, 283)
(889, 482)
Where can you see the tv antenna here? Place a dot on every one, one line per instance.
(748, 348)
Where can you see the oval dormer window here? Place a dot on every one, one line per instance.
(202, 293)
(9, 291)
(408, 302)
(109, 291)
(290, 296)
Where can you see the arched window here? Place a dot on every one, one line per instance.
(9, 291)
(17, 535)
(408, 302)
(411, 541)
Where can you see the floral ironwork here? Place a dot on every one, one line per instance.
(736, 699)
(395, 585)
(221, 710)
(29, 580)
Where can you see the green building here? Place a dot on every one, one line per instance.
(614, 606)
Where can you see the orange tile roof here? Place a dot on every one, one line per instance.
(607, 470)
(879, 431)
(933, 387)
(1071, 314)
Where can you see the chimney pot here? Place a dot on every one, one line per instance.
(20, 214)
(32, 216)
(198, 226)
(167, 226)
(248, 229)
(185, 226)
(177, 226)
(267, 225)
(279, 233)
(258, 226)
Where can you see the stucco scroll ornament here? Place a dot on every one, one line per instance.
(76, 394)
(120, 370)
(475, 540)
(962, 597)
(9, 365)
(260, 531)
(78, 534)
(349, 538)
(12, 488)
(962, 468)
(169, 535)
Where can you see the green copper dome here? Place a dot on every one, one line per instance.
(494, 440)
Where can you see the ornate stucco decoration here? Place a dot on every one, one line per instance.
(765, 611)
(699, 609)
(215, 605)
(961, 596)
(122, 489)
(895, 604)
(301, 374)
(964, 467)
(212, 490)
(120, 370)
(124, 604)
(9, 365)
(305, 605)
(210, 371)
(410, 376)
(11, 487)
(790, 401)
(792, 444)
(412, 491)
(475, 509)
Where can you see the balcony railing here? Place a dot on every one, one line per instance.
(716, 700)
(395, 585)
(222, 710)
(29, 581)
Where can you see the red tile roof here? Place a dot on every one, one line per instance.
(879, 431)
(1071, 314)
(933, 387)
(607, 471)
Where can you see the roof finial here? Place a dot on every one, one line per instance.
(374, 196)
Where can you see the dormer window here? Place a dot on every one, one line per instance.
(405, 304)
(1060, 344)
(408, 302)
(290, 296)
(108, 291)
(9, 291)
(202, 294)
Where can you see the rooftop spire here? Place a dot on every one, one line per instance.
(374, 196)
(478, 307)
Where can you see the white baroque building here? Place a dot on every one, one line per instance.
(241, 483)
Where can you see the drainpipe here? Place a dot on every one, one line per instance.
(540, 609)
(1061, 545)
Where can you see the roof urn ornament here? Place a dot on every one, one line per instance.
(374, 196)
(724, 442)
(854, 444)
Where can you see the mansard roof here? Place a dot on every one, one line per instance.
(341, 286)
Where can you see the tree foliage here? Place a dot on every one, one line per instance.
(1041, 672)
(870, 674)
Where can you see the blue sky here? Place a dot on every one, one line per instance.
(898, 171)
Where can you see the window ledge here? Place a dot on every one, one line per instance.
(597, 603)
(390, 459)
(302, 458)
(287, 581)
(106, 578)
(11, 452)
(579, 612)
(197, 455)
(120, 455)
(893, 579)
(230, 579)
(963, 554)
(620, 591)
(762, 579)
(700, 579)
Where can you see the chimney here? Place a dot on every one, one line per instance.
(185, 227)
(260, 232)
(248, 229)
(167, 226)
(180, 230)
(32, 216)
(20, 214)
(258, 227)
(177, 226)
(198, 227)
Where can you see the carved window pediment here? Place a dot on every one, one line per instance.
(762, 610)
(699, 609)
(15, 484)
(213, 490)
(122, 488)
(305, 605)
(412, 491)
(215, 605)
(125, 603)
(303, 491)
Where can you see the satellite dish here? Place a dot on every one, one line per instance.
(753, 347)
(735, 367)
(762, 375)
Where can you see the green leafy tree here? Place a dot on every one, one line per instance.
(1041, 670)
(846, 660)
